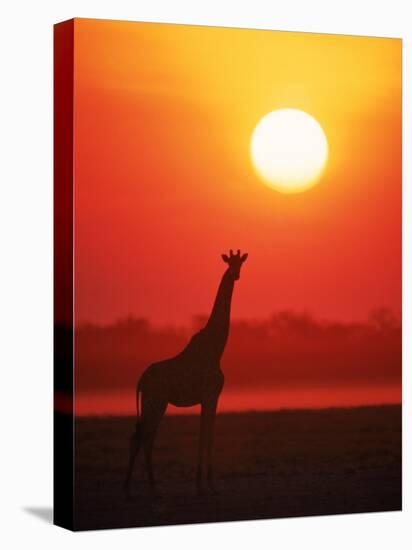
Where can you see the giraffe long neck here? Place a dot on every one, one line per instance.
(219, 320)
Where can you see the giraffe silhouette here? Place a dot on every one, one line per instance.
(190, 378)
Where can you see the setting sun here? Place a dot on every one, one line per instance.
(289, 150)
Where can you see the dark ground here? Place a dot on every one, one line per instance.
(268, 465)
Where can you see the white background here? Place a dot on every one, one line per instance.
(26, 271)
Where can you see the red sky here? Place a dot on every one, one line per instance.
(164, 181)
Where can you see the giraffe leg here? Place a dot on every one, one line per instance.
(134, 447)
(209, 451)
(202, 441)
(152, 413)
(206, 444)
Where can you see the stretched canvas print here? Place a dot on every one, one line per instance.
(227, 274)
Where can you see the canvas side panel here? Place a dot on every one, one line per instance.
(63, 275)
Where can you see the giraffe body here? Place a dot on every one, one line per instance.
(190, 378)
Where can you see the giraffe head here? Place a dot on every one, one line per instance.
(234, 262)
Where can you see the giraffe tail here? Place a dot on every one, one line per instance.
(138, 392)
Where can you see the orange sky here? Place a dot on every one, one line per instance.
(164, 181)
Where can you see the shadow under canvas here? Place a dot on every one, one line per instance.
(43, 513)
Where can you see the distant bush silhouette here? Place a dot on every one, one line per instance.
(289, 349)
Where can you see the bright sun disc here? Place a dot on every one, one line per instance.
(289, 150)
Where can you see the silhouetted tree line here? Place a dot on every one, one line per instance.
(288, 350)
